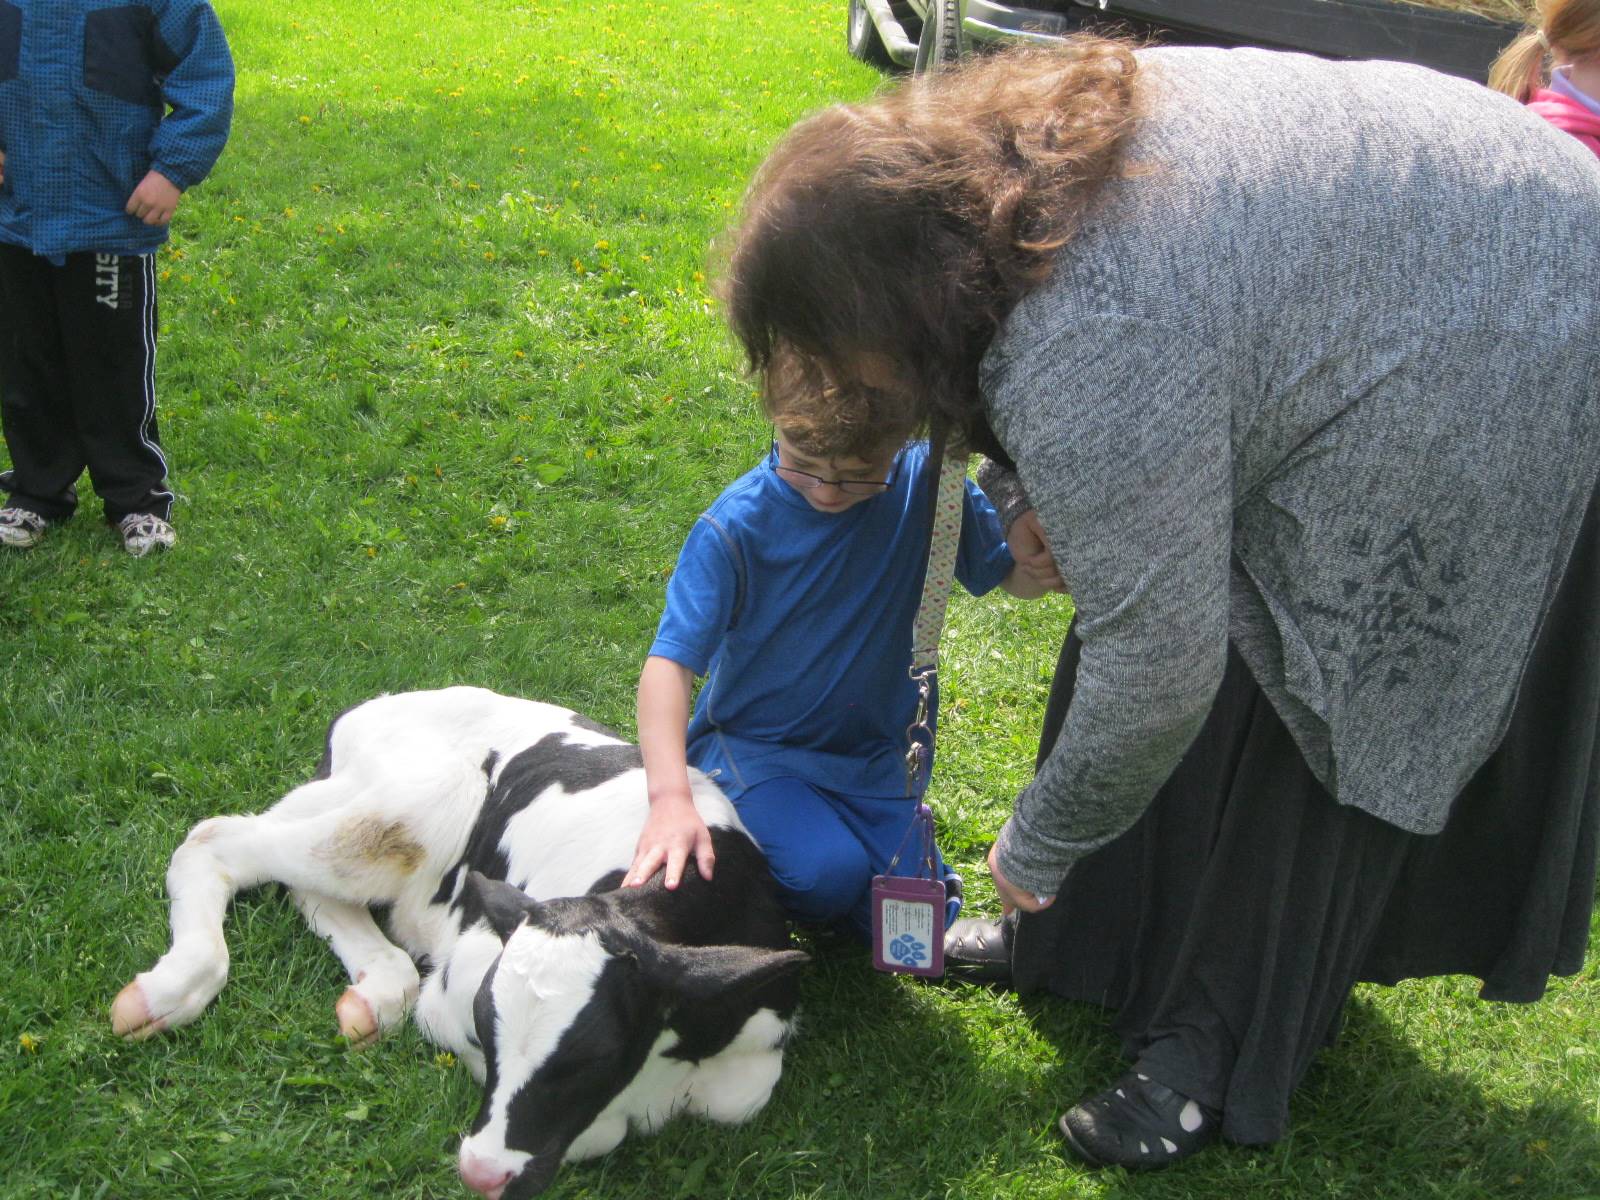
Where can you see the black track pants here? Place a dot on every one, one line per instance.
(77, 382)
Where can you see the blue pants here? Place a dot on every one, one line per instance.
(825, 847)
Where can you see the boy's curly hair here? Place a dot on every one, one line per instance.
(829, 420)
(910, 225)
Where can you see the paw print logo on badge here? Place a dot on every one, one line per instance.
(908, 951)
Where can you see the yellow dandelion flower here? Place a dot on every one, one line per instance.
(29, 1043)
(304, 120)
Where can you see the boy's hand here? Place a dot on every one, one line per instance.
(154, 200)
(2, 166)
(672, 833)
(1028, 546)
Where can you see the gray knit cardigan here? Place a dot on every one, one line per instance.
(1322, 376)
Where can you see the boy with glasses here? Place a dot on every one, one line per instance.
(794, 596)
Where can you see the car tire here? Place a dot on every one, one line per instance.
(941, 41)
(862, 37)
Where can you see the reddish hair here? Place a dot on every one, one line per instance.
(909, 226)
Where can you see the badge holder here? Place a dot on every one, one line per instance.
(908, 910)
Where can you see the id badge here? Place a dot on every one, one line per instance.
(908, 925)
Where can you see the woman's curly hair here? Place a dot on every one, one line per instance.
(907, 228)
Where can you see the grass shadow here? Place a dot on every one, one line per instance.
(1384, 1112)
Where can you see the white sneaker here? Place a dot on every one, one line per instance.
(20, 528)
(144, 532)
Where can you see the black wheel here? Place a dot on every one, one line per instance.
(861, 36)
(940, 43)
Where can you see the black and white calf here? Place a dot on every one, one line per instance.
(497, 831)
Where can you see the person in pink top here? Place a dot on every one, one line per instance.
(1566, 42)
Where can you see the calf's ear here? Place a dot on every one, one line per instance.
(697, 973)
(503, 906)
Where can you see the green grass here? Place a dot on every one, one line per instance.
(443, 390)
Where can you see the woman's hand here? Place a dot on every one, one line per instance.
(1032, 551)
(673, 833)
(1012, 896)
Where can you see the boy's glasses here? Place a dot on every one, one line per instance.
(850, 487)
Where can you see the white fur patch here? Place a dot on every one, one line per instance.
(541, 985)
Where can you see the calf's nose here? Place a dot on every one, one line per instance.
(482, 1176)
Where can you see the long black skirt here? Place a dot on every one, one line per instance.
(1228, 926)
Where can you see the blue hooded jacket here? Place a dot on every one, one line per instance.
(85, 92)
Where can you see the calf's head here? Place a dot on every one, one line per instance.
(568, 1016)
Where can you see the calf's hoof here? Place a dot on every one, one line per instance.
(357, 1023)
(130, 1015)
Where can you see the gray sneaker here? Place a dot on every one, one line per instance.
(144, 532)
(20, 528)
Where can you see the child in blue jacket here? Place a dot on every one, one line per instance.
(109, 112)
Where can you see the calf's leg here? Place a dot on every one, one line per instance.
(384, 980)
(352, 852)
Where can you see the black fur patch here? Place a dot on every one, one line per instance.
(550, 761)
(589, 723)
(447, 885)
(325, 766)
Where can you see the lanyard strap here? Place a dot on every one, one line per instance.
(942, 547)
(944, 539)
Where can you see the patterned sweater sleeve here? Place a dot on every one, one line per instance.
(1004, 490)
(1122, 440)
(196, 71)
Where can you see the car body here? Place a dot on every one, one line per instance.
(919, 34)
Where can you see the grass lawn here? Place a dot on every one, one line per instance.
(443, 390)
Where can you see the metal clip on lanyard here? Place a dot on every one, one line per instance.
(908, 914)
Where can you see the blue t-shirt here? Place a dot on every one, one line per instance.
(802, 622)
